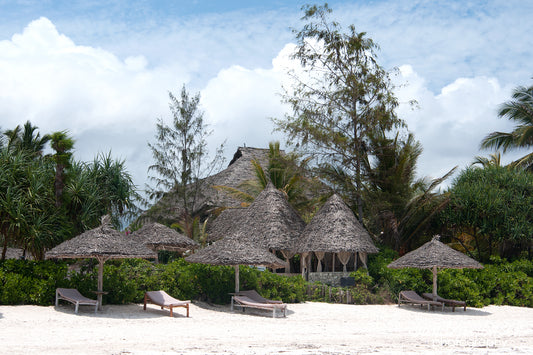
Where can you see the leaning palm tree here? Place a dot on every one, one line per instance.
(493, 160)
(519, 110)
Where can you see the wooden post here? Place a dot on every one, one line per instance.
(434, 283)
(333, 262)
(100, 285)
(237, 286)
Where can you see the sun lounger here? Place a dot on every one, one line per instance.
(446, 302)
(74, 296)
(162, 299)
(253, 299)
(414, 298)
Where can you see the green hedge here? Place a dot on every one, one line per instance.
(34, 282)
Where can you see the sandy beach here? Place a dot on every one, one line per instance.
(309, 328)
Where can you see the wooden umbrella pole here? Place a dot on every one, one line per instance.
(434, 283)
(237, 286)
(100, 284)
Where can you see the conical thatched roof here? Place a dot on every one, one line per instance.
(240, 169)
(435, 253)
(335, 229)
(103, 241)
(225, 223)
(270, 221)
(229, 251)
(159, 237)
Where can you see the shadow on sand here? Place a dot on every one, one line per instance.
(459, 312)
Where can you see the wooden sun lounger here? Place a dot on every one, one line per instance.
(414, 298)
(447, 302)
(74, 296)
(162, 299)
(253, 299)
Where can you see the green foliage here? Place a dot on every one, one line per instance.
(338, 97)
(520, 111)
(30, 282)
(494, 207)
(34, 282)
(31, 183)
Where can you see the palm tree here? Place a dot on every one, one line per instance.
(287, 174)
(63, 145)
(493, 160)
(519, 110)
(27, 139)
(400, 207)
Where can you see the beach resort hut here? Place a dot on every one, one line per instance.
(160, 237)
(226, 223)
(234, 252)
(102, 243)
(434, 255)
(272, 223)
(269, 223)
(335, 230)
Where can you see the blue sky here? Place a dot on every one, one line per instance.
(103, 71)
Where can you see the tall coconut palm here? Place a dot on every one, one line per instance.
(27, 139)
(63, 145)
(519, 110)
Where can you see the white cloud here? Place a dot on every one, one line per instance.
(451, 124)
(105, 103)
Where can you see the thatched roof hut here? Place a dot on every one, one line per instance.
(159, 237)
(433, 255)
(335, 229)
(225, 223)
(240, 169)
(271, 222)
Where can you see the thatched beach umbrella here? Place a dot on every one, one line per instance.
(432, 255)
(230, 251)
(102, 243)
(334, 229)
(160, 237)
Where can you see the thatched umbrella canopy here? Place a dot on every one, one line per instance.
(231, 251)
(160, 237)
(335, 229)
(432, 255)
(102, 243)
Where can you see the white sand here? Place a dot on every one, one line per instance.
(309, 328)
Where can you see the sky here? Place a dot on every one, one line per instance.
(103, 70)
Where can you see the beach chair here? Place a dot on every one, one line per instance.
(252, 299)
(414, 298)
(74, 296)
(446, 302)
(162, 299)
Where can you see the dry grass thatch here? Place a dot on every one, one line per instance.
(103, 241)
(239, 170)
(435, 253)
(226, 223)
(270, 221)
(335, 229)
(229, 251)
(159, 237)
